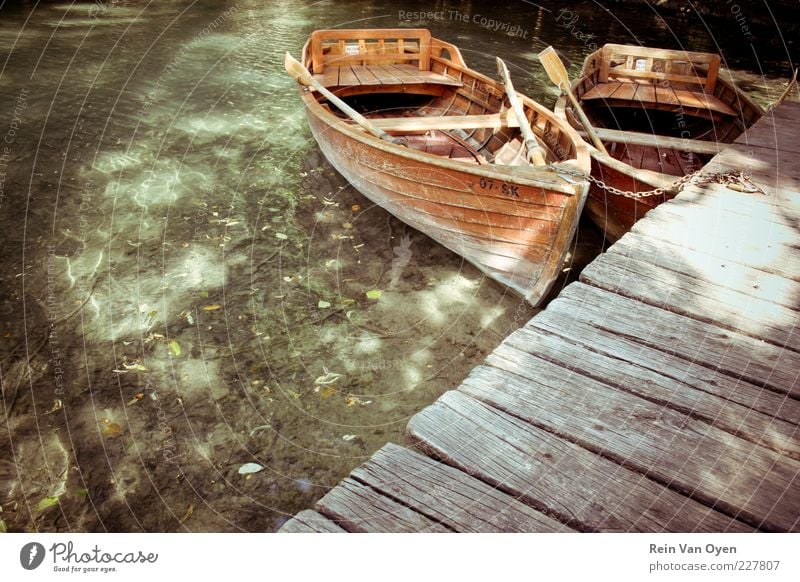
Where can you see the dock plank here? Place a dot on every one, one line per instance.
(726, 273)
(688, 455)
(757, 207)
(699, 235)
(449, 496)
(738, 356)
(695, 297)
(584, 490)
(359, 508)
(666, 382)
(309, 521)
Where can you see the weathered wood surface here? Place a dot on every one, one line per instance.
(359, 508)
(447, 495)
(695, 297)
(663, 381)
(713, 238)
(586, 491)
(308, 521)
(583, 309)
(675, 449)
(726, 273)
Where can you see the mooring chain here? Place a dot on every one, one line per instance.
(739, 181)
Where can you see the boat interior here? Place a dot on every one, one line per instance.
(663, 94)
(419, 88)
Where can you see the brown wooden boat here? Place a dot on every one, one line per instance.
(455, 166)
(661, 114)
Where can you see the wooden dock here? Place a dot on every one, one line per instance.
(659, 393)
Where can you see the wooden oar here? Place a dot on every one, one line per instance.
(299, 73)
(535, 152)
(558, 74)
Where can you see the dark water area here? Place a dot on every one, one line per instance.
(203, 327)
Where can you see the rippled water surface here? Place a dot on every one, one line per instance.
(188, 287)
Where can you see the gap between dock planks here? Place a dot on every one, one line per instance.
(660, 393)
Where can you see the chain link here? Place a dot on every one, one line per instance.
(739, 181)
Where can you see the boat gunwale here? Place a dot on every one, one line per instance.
(523, 175)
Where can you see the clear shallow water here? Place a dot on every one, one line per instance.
(184, 278)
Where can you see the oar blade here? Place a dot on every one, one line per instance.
(296, 71)
(554, 68)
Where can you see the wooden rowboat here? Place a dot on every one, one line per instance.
(661, 114)
(455, 165)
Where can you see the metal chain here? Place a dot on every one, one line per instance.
(739, 181)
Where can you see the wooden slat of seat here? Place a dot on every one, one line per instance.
(666, 94)
(645, 93)
(347, 76)
(352, 75)
(330, 78)
(365, 76)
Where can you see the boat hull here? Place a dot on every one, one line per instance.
(514, 231)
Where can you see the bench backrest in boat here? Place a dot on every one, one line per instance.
(674, 66)
(343, 47)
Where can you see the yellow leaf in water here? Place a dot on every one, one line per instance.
(327, 391)
(175, 347)
(212, 307)
(347, 225)
(111, 430)
(355, 207)
(47, 502)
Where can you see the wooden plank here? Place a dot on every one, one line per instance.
(447, 495)
(735, 355)
(601, 91)
(723, 272)
(365, 76)
(772, 132)
(406, 73)
(761, 209)
(330, 78)
(720, 470)
(359, 508)
(659, 141)
(696, 298)
(665, 381)
(588, 492)
(386, 75)
(689, 98)
(736, 231)
(666, 94)
(646, 93)
(610, 338)
(626, 91)
(492, 121)
(347, 77)
(308, 521)
(383, 75)
(693, 232)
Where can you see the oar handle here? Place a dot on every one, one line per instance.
(536, 154)
(298, 72)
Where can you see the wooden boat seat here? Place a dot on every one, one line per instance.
(652, 94)
(378, 74)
